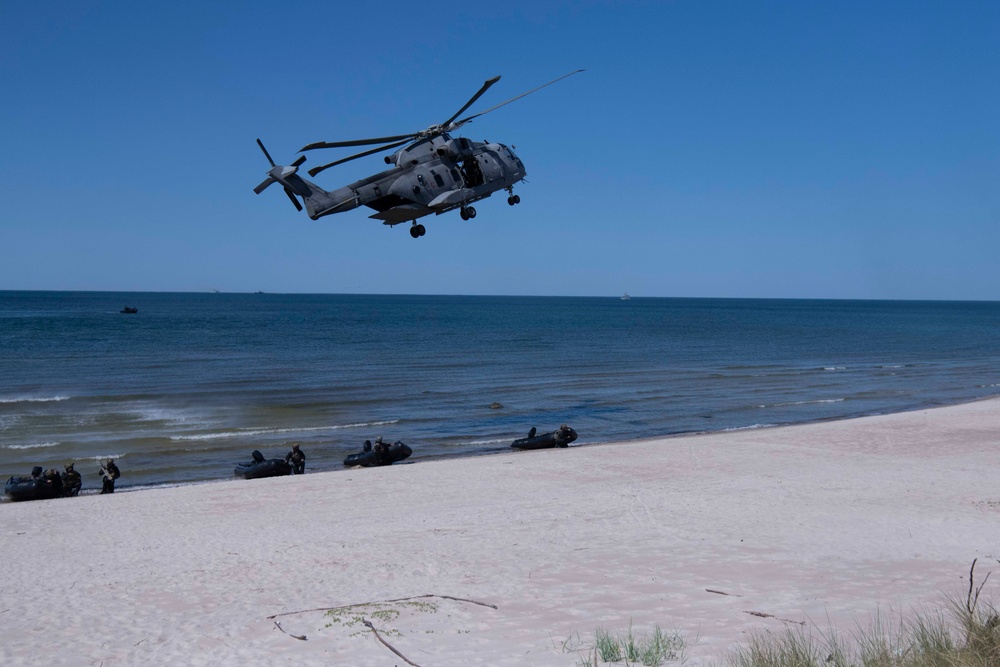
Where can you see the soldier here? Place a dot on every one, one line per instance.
(109, 472)
(72, 481)
(298, 460)
(564, 436)
(52, 478)
(381, 451)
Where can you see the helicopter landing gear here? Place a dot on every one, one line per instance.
(514, 199)
(467, 212)
(416, 231)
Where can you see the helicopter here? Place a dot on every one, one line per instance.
(434, 173)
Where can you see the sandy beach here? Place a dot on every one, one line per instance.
(498, 560)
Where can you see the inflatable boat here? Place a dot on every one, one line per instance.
(559, 438)
(377, 456)
(35, 487)
(261, 467)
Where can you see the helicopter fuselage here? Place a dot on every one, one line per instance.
(433, 175)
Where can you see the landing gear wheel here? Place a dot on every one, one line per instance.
(471, 211)
(464, 212)
(510, 201)
(416, 231)
(517, 199)
(421, 230)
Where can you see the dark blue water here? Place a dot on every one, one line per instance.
(193, 383)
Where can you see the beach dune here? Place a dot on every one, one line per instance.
(499, 560)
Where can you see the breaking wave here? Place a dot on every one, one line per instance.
(33, 399)
(34, 445)
(274, 431)
(791, 403)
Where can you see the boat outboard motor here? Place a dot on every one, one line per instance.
(257, 456)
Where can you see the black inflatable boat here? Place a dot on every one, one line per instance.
(559, 438)
(379, 456)
(261, 467)
(35, 487)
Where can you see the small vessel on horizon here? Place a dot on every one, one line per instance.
(129, 310)
(625, 297)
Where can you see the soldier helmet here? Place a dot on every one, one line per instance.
(295, 446)
(378, 439)
(68, 466)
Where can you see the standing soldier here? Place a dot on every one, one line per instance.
(72, 481)
(297, 459)
(110, 472)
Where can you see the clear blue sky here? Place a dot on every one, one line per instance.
(731, 149)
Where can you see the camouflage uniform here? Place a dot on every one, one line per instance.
(72, 481)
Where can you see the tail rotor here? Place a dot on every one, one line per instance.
(280, 174)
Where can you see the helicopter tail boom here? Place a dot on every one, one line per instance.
(318, 202)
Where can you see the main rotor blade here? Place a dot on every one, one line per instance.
(322, 167)
(486, 86)
(466, 120)
(291, 195)
(356, 142)
(266, 154)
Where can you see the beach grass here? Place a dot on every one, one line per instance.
(960, 635)
(627, 647)
(964, 633)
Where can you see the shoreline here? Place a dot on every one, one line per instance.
(823, 524)
(128, 488)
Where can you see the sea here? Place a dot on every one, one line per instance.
(191, 384)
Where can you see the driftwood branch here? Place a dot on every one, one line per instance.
(387, 644)
(278, 625)
(415, 597)
(971, 601)
(783, 620)
(709, 590)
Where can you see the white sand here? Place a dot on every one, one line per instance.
(821, 523)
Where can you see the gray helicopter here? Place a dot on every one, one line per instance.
(435, 173)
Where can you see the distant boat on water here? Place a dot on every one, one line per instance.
(625, 297)
(129, 310)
